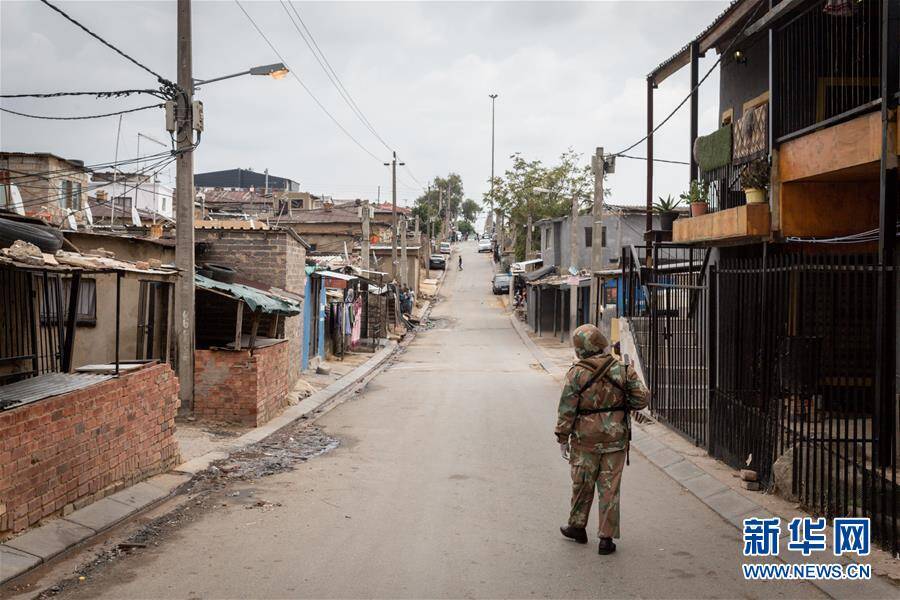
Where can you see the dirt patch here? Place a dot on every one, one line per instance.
(207, 491)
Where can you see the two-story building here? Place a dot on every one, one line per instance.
(768, 326)
(43, 185)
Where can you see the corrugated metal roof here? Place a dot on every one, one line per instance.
(256, 299)
(44, 386)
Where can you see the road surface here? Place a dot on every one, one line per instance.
(447, 483)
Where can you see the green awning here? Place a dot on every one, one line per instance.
(256, 299)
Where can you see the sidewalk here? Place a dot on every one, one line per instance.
(711, 481)
(203, 445)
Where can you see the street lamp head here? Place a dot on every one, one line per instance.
(493, 96)
(275, 71)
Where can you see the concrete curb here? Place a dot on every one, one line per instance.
(40, 544)
(547, 364)
(729, 504)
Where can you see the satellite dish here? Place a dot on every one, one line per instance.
(135, 217)
(88, 214)
(70, 219)
(16, 199)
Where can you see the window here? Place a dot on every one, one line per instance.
(603, 236)
(70, 194)
(122, 203)
(588, 236)
(86, 312)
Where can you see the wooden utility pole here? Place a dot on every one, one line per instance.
(441, 208)
(366, 234)
(529, 234)
(393, 165)
(573, 266)
(598, 166)
(184, 212)
(404, 263)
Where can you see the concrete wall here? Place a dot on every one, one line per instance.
(555, 242)
(41, 192)
(270, 257)
(64, 452)
(124, 247)
(243, 387)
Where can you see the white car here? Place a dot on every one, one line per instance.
(445, 247)
(485, 245)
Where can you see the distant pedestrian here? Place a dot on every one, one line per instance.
(460, 262)
(593, 431)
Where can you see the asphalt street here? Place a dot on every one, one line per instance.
(447, 483)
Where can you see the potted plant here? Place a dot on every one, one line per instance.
(698, 197)
(665, 208)
(755, 180)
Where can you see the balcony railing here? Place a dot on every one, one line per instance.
(827, 66)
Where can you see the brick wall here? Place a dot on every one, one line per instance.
(40, 191)
(270, 257)
(240, 387)
(64, 452)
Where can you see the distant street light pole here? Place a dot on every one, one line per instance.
(499, 224)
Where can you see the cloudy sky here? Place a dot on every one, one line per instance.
(567, 74)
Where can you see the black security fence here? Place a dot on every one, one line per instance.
(793, 383)
(827, 64)
(37, 322)
(666, 303)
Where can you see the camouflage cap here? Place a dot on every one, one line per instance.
(588, 341)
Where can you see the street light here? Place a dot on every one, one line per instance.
(275, 71)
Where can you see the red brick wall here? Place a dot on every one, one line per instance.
(237, 387)
(64, 452)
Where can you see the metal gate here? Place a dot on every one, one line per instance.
(666, 303)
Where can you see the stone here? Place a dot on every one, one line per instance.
(25, 252)
(101, 514)
(783, 476)
(749, 475)
(753, 486)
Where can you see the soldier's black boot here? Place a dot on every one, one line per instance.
(606, 546)
(574, 533)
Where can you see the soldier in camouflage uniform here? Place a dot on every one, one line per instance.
(592, 430)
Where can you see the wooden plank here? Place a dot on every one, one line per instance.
(845, 145)
(733, 224)
(767, 20)
(735, 18)
(273, 326)
(254, 327)
(239, 322)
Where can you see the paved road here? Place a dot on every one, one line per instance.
(447, 484)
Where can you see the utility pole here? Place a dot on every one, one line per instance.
(393, 165)
(184, 216)
(529, 233)
(499, 225)
(404, 263)
(441, 208)
(598, 166)
(573, 266)
(365, 235)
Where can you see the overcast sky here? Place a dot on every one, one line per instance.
(567, 75)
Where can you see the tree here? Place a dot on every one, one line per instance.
(465, 227)
(516, 198)
(444, 196)
(470, 210)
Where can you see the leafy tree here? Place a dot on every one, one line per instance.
(515, 194)
(444, 196)
(470, 210)
(465, 227)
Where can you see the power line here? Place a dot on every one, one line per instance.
(659, 160)
(162, 80)
(108, 94)
(750, 17)
(81, 118)
(304, 86)
(329, 71)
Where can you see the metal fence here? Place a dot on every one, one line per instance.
(666, 305)
(37, 322)
(827, 64)
(793, 380)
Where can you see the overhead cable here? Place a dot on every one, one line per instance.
(304, 86)
(105, 94)
(750, 18)
(83, 117)
(165, 82)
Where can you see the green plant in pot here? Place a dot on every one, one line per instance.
(665, 208)
(697, 197)
(755, 180)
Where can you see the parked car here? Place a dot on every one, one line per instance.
(485, 245)
(500, 283)
(437, 261)
(445, 247)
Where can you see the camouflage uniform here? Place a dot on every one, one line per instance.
(597, 440)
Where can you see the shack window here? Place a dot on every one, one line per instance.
(86, 312)
(588, 236)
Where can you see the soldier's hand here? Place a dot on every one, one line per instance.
(564, 450)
